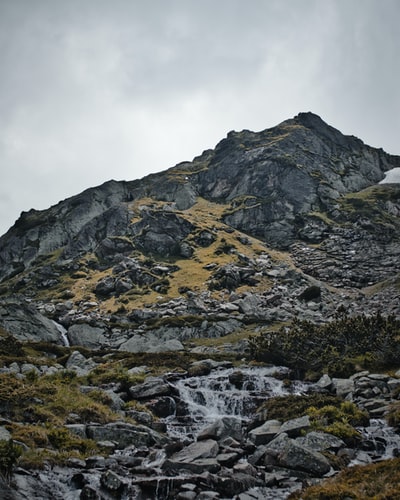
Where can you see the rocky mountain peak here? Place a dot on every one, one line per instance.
(262, 217)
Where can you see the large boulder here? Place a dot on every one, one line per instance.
(24, 322)
(124, 434)
(223, 428)
(197, 458)
(151, 343)
(298, 457)
(86, 335)
(152, 387)
(265, 432)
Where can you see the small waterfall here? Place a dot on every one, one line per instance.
(217, 395)
(63, 333)
(380, 442)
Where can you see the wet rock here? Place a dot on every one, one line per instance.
(228, 459)
(200, 368)
(89, 493)
(237, 378)
(162, 407)
(236, 483)
(111, 481)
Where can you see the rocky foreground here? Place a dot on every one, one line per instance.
(157, 446)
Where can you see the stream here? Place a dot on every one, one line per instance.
(228, 392)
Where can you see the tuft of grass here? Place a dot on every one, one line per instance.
(378, 481)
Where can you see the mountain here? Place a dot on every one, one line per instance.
(288, 222)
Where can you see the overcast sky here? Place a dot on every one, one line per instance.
(92, 90)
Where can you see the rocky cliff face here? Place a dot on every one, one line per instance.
(233, 238)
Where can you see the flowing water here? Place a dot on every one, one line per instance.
(63, 334)
(228, 392)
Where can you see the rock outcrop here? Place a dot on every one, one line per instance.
(197, 251)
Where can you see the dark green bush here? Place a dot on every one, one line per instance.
(9, 454)
(334, 347)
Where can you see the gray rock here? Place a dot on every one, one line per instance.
(265, 432)
(195, 466)
(162, 407)
(201, 449)
(4, 434)
(343, 386)
(324, 383)
(29, 368)
(150, 343)
(298, 457)
(197, 457)
(24, 322)
(151, 388)
(111, 481)
(320, 441)
(294, 427)
(78, 429)
(222, 428)
(86, 336)
(78, 363)
(124, 434)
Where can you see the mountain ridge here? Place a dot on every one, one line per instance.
(262, 215)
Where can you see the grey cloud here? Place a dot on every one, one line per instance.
(97, 90)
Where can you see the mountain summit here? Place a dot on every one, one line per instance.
(235, 236)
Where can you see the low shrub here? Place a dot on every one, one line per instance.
(9, 454)
(335, 347)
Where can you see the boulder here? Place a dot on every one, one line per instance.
(24, 322)
(196, 458)
(162, 407)
(150, 343)
(78, 363)
(265, 432)
(320, 441)
(294, 427)
(232, 485)
(222, 428)
(298, 457)
(4, 434)
(324, 383)
(153, 387)
(87, 336)
(124, 434)
(200, 449)
(343, 386)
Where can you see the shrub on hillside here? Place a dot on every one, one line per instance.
(336, 347)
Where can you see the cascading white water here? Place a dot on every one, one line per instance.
(63, 333)
(380, 442)
(214, 396)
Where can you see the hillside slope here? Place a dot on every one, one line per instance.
(290, 221)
